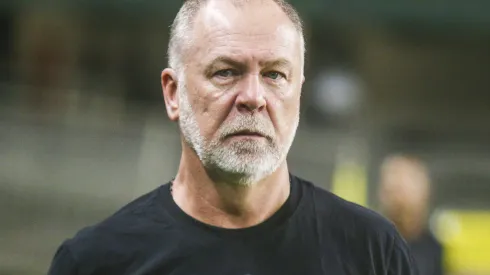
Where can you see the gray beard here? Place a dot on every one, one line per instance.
(241, 163)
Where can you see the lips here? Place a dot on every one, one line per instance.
(248, 133)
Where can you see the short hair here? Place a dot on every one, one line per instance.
(183, 23)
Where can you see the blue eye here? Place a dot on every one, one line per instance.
(274, 75)
(226, 73)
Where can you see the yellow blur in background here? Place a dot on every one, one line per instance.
(350, 182)
(466, 239)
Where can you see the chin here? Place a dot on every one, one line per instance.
(247, 173)
(247, 180)
(242, 164)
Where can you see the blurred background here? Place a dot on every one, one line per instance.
(83, 129)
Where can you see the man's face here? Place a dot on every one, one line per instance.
(404, 189)
(240, 93)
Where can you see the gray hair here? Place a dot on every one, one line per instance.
(183, 23)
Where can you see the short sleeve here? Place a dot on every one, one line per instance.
(401, 261)
(63, 262)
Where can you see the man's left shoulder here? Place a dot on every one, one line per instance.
(362, 238)
(347, 218)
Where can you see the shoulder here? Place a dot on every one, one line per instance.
(358, 233)
(117, 238)
(433, 239)
(430, 242)
(342, 213)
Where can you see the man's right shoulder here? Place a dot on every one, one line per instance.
(129, 231)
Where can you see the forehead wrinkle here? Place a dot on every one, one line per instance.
(247, 46)
(217, 31)
(242, 58)
(236, 45)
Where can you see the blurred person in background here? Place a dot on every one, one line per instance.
(404, 197)
(234, 87)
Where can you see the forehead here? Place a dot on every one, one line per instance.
(256, 29)
(402, 174)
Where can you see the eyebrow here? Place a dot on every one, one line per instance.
(280, 62)
(223, 59)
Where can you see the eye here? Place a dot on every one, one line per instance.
(274, 75)
(226, 73)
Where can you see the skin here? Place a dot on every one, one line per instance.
(404, 194)
(243, 71)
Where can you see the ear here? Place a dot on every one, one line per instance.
(169, 87)
(303, 80)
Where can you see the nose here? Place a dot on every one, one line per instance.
(251, 96)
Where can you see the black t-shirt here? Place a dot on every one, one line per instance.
(428, 254)
(313, 233)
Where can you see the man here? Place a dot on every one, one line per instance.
(404, 196)
(234, 86)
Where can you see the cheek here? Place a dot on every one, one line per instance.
(210, 114)
(284, 112)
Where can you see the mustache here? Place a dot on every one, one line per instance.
(251, 124)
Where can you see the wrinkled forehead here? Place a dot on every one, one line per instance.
(257, 26)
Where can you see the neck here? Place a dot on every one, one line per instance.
(410, 227)
(227, 205)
